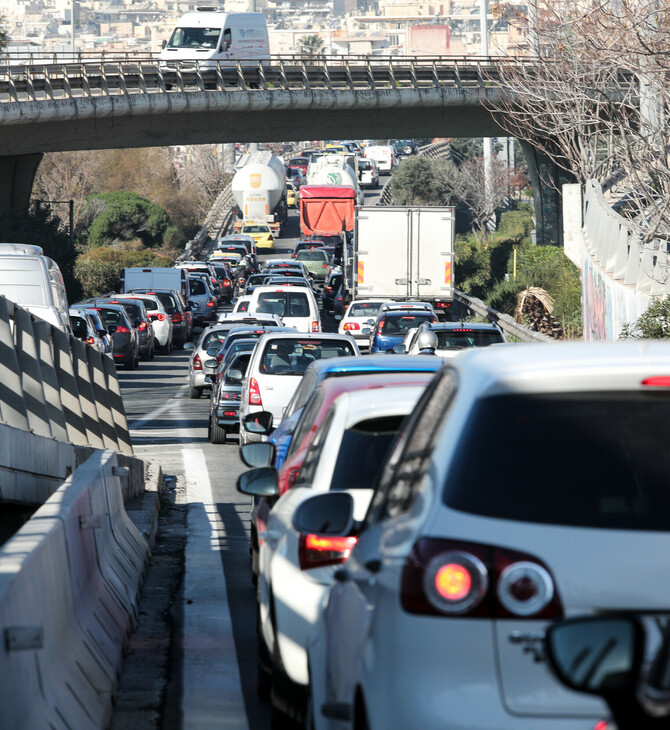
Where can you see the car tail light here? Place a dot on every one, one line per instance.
(177, 317)
(226, 282)
(315, 326)
(142, 326)
(254, 393)
(197, 364)
(122, 329)
(229, 396)
(211, 303)
(453, 578)
(230, 413)
(380, 326)
(158, 316)
(89, 340)
(350, 326)
(324, 265)
(657, 381)
(316, 551)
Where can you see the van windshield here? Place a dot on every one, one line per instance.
(284, 304)
(194, 38)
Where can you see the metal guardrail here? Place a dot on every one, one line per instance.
(111, 76)
(507, 324)
(217, 220)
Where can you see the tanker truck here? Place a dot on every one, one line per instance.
(259, 190)
(335, 170)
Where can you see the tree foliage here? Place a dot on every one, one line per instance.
(311, 46)
(4, 35)
(654, 324)
(123, 216)
(416, 181)
(39, 226)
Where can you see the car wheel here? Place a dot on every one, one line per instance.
(194, 392)
(217, 434)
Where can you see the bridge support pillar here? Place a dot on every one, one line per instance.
(546, 179)
(17, 173)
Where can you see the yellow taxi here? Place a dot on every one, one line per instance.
(260, 232)
(291, 195)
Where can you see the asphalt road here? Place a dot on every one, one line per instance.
(191, 661)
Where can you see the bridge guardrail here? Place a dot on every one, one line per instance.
(114, 76)
(69, 594)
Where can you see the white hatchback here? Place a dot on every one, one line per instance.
(356, 318)
(294, 571)
(160, 320)
(529, 484)
(277, 366)
(295, 305)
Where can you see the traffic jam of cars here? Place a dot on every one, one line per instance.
(429, 502)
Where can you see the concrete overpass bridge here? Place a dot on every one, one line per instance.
(60, 104)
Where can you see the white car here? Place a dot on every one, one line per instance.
(295, 305)
(160, 319)
(276, 368)
(368, 173)
(529, 484)
(356, 319)
(295, 571)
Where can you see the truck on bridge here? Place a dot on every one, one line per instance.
(403, 253)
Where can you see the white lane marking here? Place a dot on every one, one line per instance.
(212, 685)
(136, 425)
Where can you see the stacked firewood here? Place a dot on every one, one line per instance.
(534, 309)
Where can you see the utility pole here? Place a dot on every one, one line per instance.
(484, 52)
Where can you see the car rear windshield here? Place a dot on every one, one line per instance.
(293, 356)
(111, 316)
(198, 287)
(256, 229)
(214, 339)
(315, 255)
(364, 309)
(284, 304)
(404, 323)
(588, 460)
(168, 302)
(362, 452)
(459, 338)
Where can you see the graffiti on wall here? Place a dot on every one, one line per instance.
(607, 304)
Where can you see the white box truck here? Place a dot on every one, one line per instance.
(403, 253)
(149, 278)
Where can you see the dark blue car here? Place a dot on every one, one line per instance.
(393, 324)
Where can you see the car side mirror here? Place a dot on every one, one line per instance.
(400, 350)
(370, 322)
(258, 454)
(137, 323)
(259, 423)
(330, 513)
(600, 656)
(212, 363)
(213, 351)
(189, 346)
(111, 328)
(259, 482)
(208, 379)
(338, 317)
(365, 331)
(235, 375)
(225, 45)
(164, 43)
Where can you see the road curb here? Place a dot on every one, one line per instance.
(143, 510)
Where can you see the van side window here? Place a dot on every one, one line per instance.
(227, 39)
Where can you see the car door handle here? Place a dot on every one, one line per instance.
(272, 537)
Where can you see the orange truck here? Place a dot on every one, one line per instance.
(325, 209)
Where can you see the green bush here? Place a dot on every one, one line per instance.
(123, 216)
(504, 295)
(654, 324)
(416, 181)
(99, 270)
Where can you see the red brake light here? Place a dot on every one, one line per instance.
(211, 304)
(254, 393)
(177, 317)
(316, 551)
(315, 326)
(226, 282)
(351, 326)
(657, 381)
(197, 364)
(451, 578)
(122, 329)
(89, 340)
(142, 326)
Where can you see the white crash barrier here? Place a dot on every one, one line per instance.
(69, 590)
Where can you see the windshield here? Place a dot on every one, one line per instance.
(364, 309)
(194, 38)
(467, 338)
(293, 356)
(613, 472)
(312, 256)
(404, 323)
(284, 304)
